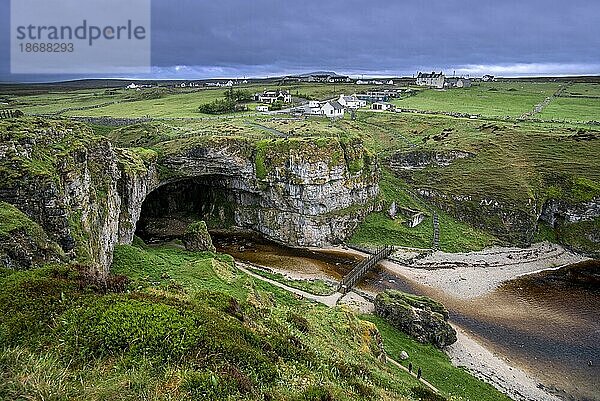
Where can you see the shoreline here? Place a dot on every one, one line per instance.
(467, 276)
(484, 364)
(474, 274)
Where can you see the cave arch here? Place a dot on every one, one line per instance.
(217, 199)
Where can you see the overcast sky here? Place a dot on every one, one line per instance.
(236, 38)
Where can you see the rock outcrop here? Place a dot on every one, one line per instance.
(23, 243)
(65, 179)
(88, 195)
(575, 224)
(418, 159)
(197, 238)
(421, 318)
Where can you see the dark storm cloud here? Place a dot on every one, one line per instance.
(387, 35)
(261, 37)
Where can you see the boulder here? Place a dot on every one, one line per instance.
(420, 317)
(197, 238)
(404, 355)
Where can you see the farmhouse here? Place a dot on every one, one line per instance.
(338, 78)
(271, 97)
(332, 109)
(351, 102)
(435, 80)
(457, 82)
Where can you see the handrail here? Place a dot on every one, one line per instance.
(363, 267)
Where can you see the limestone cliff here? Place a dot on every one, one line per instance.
(88, 196)
(296, 191)
(568, 205)
(65, 179)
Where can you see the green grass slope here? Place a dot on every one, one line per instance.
(186, 326)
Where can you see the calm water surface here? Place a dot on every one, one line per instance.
(547, 323)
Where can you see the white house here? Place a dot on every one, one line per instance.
(132, 86)
(332, 109)
(351, 102)
(434, 79)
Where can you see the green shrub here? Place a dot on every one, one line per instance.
(221, 106)
(31, 301)
(315, 393)
(165, 330)
(426, 394)
(298, 322)
(110, 325)
(208, 385)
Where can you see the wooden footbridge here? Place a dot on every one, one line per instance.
(363, 268)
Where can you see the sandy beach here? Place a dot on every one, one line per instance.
(474, 274)
(491, 368)
(465, 276)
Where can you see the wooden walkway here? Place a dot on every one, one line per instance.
(436, 232)
(363, 267)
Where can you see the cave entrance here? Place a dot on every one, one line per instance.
(168, 210)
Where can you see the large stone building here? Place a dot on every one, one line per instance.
(457, 82)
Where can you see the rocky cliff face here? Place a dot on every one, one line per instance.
(511, 222)
(572, 212)
(292, 191)
(64, 179)
(418, 159)
(576, 224)
(88, 196)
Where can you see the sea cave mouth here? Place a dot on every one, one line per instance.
(168, 210)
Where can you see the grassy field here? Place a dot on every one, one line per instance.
(582, 89)
(514, 161)
(379, 229)
(316, 287)
(572, 109)
(492, 99)
(188, 326)
(152, 102)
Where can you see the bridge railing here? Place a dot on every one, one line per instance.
(363, 267)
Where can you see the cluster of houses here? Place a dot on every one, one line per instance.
(338, 107)
(374, 82)
(335, 108)
(439, 81)
(319, 77)
(273, 96)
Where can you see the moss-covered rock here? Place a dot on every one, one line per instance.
(197, 238)
(420, 317)
(23, 243)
